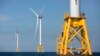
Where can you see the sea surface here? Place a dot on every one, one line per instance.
(36, 54)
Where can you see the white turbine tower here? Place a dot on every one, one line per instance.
(39, 23)
(17, 40)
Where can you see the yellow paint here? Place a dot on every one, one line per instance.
(17, 49)
(40, 48)
(74, 27)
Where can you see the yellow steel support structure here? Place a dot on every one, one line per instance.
(40, 48)
(74, 28)
(17, 50)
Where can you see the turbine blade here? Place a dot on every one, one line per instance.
(34, 12)
(42, 8)
(36, 27)
(16, 32)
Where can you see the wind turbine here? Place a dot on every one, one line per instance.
(39, 23)
(17, 40)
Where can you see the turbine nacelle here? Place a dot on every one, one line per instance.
(40, 17)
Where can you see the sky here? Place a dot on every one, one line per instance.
(16, 13)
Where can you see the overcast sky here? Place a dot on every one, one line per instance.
(16, 13)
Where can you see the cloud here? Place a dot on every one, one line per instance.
(3, 17)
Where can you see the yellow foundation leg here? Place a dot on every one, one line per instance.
(17, 50)
(40, 48)
(89, 50)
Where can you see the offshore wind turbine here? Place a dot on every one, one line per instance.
(39, 24)
(17, 40)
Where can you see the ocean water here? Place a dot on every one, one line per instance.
(37, 54)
